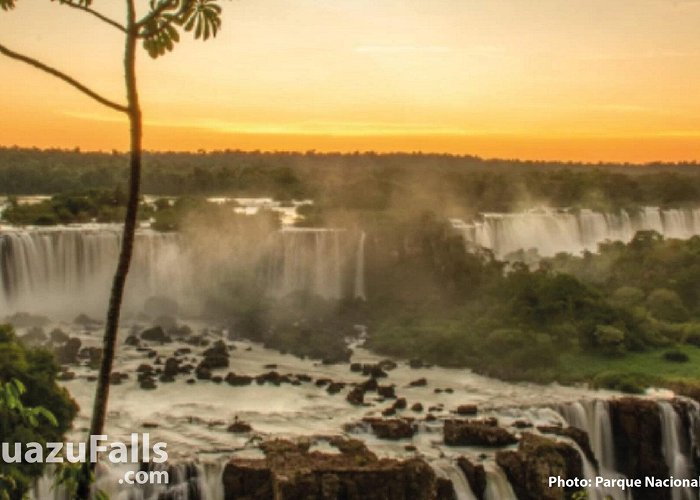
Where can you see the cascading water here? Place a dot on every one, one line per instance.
(69, 269)
(497, 485)
(449, 470)
(360, 292)
(551, 231)
(62, 271)
(308, 259)
(676, 450)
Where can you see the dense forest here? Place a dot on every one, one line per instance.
(625, 317)
(358, 181)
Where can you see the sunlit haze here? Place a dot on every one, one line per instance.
(553, 79)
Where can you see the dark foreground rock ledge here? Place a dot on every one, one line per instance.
(290, 471)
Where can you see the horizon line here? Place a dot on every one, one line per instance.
(315, 152)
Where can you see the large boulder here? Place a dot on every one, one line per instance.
(476, 476)
(155, 334)
(395, 428)
(290, 471)
(636, 430)
(537, 459)
(476, 433)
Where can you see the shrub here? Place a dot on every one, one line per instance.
(676, 356)
(666, 305)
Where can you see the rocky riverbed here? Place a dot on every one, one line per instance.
(249, 422)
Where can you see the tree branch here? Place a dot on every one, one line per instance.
(162, 6)
(99, 16)
(58, 74)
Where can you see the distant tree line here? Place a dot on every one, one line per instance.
(358, 181)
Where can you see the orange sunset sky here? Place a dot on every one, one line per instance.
(533, 79)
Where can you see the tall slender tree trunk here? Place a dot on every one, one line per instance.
(99, 411)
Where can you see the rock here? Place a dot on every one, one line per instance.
(397, 428)
(335, 387)
(636, 430)
(421, 382)
(86, 321)
(167, 323)
(216, 356)
(356, 367)
(239, 427)
(68, 352)
(323, 381)
(180, 332)
(238, 380)
(387, 365)
(58, 336)
(271, 366)
(580, 437)
(147, 383)
(155, 334)
(215, 361)
(144, 368)
(191, 381)
(445, 489)
(289, 471)
(356, 396)
(538, 458)
(374, 371)
(149, 425)
(93, 355)
(182, 351)
(415, 363)
(34, 337)
(115, 378)
(388, 412)
(132, 340)
(400, 404)
(466, 433)
(476, 476)
(273, 378)
(430, 417)
(386, 391)
(417, 407)
(171, 367)
(66, 375)
(217, 379)
(165, 378)
(203, 373)
(522, 424)
(468, 409)
(370, 384)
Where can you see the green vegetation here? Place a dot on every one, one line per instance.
(366, 181)
(32, 407)
(87, 206)
(626, 318)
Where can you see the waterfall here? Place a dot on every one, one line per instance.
(497, 485)
(675, 450)
(62, 271)
(68, 269)
(450, 470)
(360, 269)
(186, 481)
(308, 259)
(551, 231)
(593, 416)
